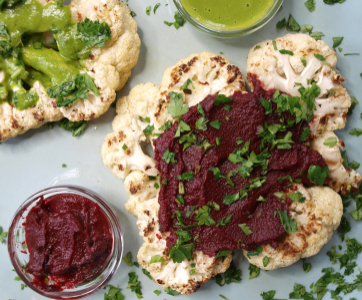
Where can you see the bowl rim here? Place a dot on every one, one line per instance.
(113, 261)
(229, 33)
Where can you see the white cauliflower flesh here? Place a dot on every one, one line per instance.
(282, 71)
(311, 60)
(317, 218)
(109, 67)
(142, 113)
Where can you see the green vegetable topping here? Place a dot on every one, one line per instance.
(77, 128)
(265, 261)
(114, 293)
(3, 235)
(306, 266)
(155, 8)
(179, 21)
(292, 24)
(224, 221)
(230, 199)
(171, 292)
(186, 176)
(186, 85)
(297, 197)
(356, 132)
(275, 45)
(148, 130)
(201, 124)
(281, 23)
(222, 99)
(157, 292)
(257, 47)
(128, 259)
(216, 124)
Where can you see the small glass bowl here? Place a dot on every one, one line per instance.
(19, 254)
(230, 33)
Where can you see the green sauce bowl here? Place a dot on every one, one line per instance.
(219, 31)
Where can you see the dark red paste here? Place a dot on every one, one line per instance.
(69, 239)
(245, 118)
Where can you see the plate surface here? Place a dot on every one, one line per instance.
(33, 161)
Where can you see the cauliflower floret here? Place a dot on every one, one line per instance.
(209, 74)
(317, 217)
(340, 176)
(282, 71)
(109, 66)
(121, 150)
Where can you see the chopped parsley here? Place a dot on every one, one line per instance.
(265, 261)
(76, 128)
(356, 132)
(306, 266)
(317, 175)
(134, 284)
(156, 259)
(223, 221)
(155, 8)
(245, 229)
(171, 292)
(165, 126)
(337, 41)
(3, 235)
(254, 271)
(148, 130)
(257, 47)
(310, 5)
(157, 292)
(203, 216)
(255, 252)
(94, 33)
(176, 107)
(201, 124)
(289, 224)
(128, 259)
(275, 45)
(330, 142)
(297, 197)
(320, 57)
(292, 24)
(282, 23)
(186, 176)
(230, 199)
(222, 99)
(148, 9)
(147, 119)
(179, 21)
(114, 293)
(186, 85)
(169, 157)
(216, 124)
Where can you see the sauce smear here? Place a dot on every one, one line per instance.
(239, 122)
(227, 14)
(69, 239)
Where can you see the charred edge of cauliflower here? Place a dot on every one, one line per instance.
(143, 203)
(209, 73)
(109, 66)
(342, 178)
(317, 217)
(281, 71)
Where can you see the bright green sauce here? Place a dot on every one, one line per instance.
(227, 14)
(47, 65)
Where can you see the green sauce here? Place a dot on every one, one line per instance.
(26, 23)
(227, 14)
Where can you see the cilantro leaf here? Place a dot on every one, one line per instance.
(265, 261)
(186, 176)
(255, 252)
(317, 175)
(317, 35)
(289, 224)
(144, 271)
(306, 132)
(169, 157)
(114, 293)
(281, 23)
(94, 33)
(176, 107)
(306, 266)
(156, 259)
(297, 197)
(353, 105)
(268, 107)
(201, 124)
(223, 221)
(320, 57)
(230, 199)
(216, 124)
(186, 85)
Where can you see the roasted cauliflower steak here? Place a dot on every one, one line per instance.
(311, 60)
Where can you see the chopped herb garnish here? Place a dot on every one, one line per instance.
(186, 85)
(169, 157)
(297, 197)
(254, 271)
(186, 176)
(356, 132)
(128, 259)
(310, 5)
(320, 57)
(281, 23)
(165, 126)
(261, 199)
(306, 266)
(265, 261)
(349, 54)
(284, 51)
(317, 35)
(317, 175)
(93, 33)
(157, 292)
(134, 284)
(147, 119)
(148, 130)
(216, 124)
(337, 41)
(230, 199)
(156, 259)
(218, 141)
(176, 107)
(148, 9)
(155, 8)
(171, 292)
(189, 212)
(245, 229)
(292, 24)
(330, 142)
(275, 45)
(257, 47)
(222, 99)
(289, 224)
(304, 136)
(224, 221)
(203, 216)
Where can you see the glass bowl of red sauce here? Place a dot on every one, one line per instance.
(228, 18)
(65, 242)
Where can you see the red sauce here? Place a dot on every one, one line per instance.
(245, 117)
(69, 239)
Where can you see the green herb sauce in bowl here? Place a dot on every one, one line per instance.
(228, 17)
